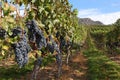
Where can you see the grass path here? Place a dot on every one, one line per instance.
(101, 67)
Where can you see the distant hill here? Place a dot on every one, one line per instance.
(88, 21)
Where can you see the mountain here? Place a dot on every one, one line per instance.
(88, 21)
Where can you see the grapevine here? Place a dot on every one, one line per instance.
(38, 29)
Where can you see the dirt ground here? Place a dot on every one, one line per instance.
(76, 70)
(115, 58)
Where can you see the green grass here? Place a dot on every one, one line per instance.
(100, 67)
(13, 72)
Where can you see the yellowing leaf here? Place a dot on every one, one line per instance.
(5, 47)
(32, 56)
(10, 19)
(3, 52)
(42, 0)
(39, 53)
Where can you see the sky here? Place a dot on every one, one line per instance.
(106, 11)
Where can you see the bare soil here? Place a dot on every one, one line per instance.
(76, 70)
(115, 58)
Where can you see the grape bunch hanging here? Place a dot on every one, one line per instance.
(21, 48)
(34, 35)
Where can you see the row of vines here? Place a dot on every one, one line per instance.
(45, 27)
(106, 37)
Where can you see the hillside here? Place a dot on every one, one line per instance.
(88, 21)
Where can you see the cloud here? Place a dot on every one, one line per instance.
(87, 12)
(96, 15)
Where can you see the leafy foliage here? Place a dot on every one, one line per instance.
(43, 18)
(51, 16)
(101, 67)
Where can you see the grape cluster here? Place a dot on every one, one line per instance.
(21, 48)
(53, 46)
(65, 47)
(57, 34)
(35, 34)
(50, 44)
(16, 32)
(65, 44)
(39, 61)
(2, 33)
